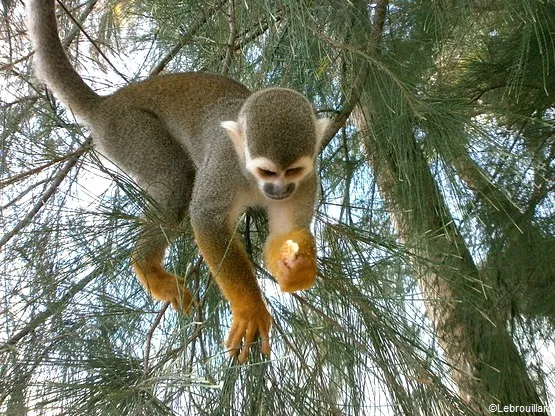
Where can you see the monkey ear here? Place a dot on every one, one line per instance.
(235, 132)
(321, 127)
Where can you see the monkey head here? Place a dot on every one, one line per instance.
(277, 137)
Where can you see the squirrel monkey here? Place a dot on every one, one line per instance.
(204, 143)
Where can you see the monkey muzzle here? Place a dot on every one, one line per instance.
(278, 191)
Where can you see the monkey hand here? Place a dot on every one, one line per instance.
(164, 286)
(249, 320)
(291, 258)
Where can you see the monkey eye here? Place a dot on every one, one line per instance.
(265, 173)
(294, 171)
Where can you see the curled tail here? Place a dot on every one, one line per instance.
(51, 62)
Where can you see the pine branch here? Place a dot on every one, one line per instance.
(56, 182)
(184, 40)
(257, 30)
(16, 178)
(50, 311)
(352, 97)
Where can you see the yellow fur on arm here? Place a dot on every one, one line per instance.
(232, 270)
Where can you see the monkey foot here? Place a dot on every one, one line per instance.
(178, 295)
(165, 287)
(291, 258)
(249, 321)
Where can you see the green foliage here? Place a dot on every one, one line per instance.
(456, 100)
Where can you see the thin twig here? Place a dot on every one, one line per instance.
(231, 39)
(20, 176)
(10, 65)
(149, 336)
(172, 353)
(78, 27)
(257, 30)
(58, 179)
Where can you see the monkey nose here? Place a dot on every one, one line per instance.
(277, 191)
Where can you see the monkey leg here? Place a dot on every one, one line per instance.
(291, 258)
(165, 172)
(160, 284)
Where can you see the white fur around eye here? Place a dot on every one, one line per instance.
(295, 172)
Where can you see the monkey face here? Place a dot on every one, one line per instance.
(277, 139)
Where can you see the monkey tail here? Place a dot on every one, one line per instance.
(51, 62)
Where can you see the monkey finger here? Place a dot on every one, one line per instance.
(248, 340)
(244, 356)
(265, 342)
(296, 275)
(283, 267)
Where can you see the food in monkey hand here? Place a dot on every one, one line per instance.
(289, 250)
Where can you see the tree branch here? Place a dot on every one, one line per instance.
(149, 334)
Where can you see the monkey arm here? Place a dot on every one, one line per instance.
(290, 251)
(230, 266)
(212, 216)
